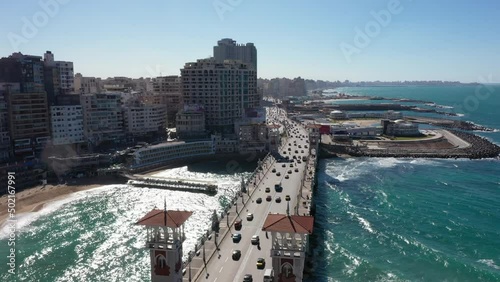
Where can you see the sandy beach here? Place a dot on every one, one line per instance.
(34, 199)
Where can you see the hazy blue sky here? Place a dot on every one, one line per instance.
(423, 40)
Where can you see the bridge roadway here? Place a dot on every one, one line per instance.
(221, 267)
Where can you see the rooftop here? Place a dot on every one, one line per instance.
(170, 218)
(289, 223)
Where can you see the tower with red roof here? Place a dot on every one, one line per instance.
(165, 234)
(290, 239)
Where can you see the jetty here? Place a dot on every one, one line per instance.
(195, 186)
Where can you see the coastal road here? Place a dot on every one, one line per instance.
(222, 267)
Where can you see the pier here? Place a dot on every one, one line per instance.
(173, 184)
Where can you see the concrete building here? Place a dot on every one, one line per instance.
(224, 89)
(168, 89)
(5, 144)
(283, 87)
(143, 119)
(190, 122)
(66, 72)
(338, 115)
(87, 85)
(28, 123)
(227, 49)
(149, 157)
(67, 125)
(27, 70)
(102, 118)
(400, 128)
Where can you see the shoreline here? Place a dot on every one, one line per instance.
(34, 199)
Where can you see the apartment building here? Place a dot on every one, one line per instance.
(142, 118)
(168, 90)
(102, 118)
(66, 72)
(67, 124)
(190, 122)
(228, 49)
(224, 89)
(87, 85)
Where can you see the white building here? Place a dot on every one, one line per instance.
(67, 125)
(224, 89)
(142, 119)
(166, 153)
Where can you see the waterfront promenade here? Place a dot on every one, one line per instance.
(214, 261)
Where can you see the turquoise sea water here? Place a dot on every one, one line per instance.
(387, 219)
(378, 219)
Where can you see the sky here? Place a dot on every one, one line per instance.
(358, 40)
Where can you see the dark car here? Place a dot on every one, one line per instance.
(284, 165)
(236, 255)
(236, 237)
(287, 197)
(268, 189)
(278, 199)
(261, 263)
(274, 170)
(237, 225)
(269, 198)
(248, 278)
(250, 216)
(259, 200)
(296, 170)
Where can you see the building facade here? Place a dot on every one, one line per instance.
(224, 89)
(67, 125)
(102, 118)
(167, 153)
(28, 123)
(168, 90)
(142, 119)
(190, 122)
(227, 49)
(66, 72)
(87, 85)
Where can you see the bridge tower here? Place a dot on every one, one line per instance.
(165, 234)
(290, 239)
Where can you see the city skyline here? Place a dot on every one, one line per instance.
(361, 41)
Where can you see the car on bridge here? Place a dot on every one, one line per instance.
(261, 263)
(255, 240)
(236, 237)
(236, 255)
(238, 225)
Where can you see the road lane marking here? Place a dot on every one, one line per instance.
(221, 269)
(226, 259)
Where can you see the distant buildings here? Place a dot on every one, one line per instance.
(224, 89)
(227, 49)
(87, 85)
(283, 87)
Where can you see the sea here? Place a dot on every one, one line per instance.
(377, 219)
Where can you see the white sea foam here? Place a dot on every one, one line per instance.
(489, 262)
